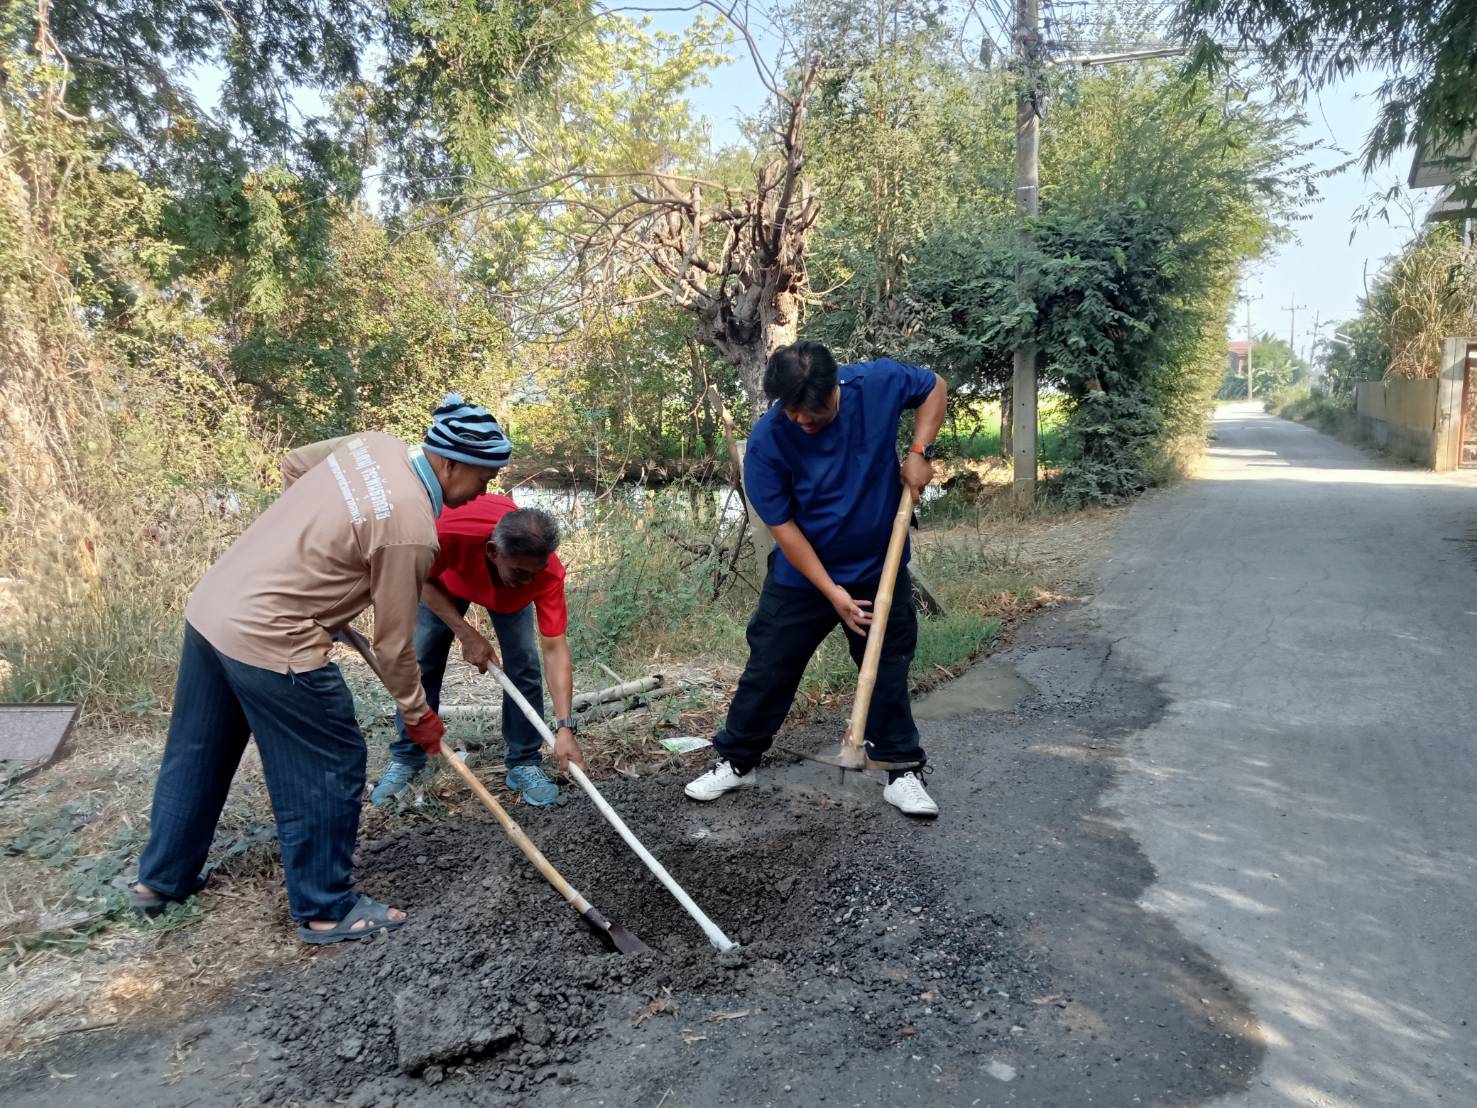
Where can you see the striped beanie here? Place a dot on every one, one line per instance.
(467, 433)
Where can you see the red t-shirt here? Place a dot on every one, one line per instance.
(462, 566)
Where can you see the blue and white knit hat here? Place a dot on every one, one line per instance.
(467, 433)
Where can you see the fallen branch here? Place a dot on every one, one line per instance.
(581, 703)
(619, 707)
(618, 692)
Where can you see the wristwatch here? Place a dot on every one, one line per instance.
(570, 722)
(928, 451)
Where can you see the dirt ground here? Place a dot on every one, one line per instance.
(997, 956)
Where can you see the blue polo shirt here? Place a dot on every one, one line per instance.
(841, 485)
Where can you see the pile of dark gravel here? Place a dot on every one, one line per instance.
(843, 909)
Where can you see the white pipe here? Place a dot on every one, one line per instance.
(583, 702)
(715, 936)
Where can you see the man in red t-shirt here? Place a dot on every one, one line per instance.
(500, 556)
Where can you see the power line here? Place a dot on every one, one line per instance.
(990, 33)
(1005, 20)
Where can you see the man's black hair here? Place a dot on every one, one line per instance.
(526, 533)
(801, 375)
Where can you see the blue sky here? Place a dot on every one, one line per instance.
(1322, 268)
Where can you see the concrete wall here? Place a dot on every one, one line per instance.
(1400, 416)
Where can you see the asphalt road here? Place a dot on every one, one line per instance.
(1308, 795)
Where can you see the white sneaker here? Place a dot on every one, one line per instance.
(908, 795)
(722, 778)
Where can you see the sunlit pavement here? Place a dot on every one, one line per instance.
(1308, 798)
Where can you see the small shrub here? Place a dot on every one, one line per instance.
(1331, 415)
(1110, 449)
(650, 579)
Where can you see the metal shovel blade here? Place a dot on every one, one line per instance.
(852, 756)
(620, 940)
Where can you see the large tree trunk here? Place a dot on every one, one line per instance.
(748, 347)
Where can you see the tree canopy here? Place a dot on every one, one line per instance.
(551, 227)
(1427, 48)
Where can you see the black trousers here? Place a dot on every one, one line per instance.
(785, 631)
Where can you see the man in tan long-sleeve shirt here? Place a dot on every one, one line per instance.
(355, 526)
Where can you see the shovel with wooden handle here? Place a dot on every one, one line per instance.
(612, 933)
(853, 752)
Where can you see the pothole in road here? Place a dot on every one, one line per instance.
(844, 917)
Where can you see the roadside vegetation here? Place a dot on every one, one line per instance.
(1421, 296)
(186, 288)
(1426, 293)
(1318, 410)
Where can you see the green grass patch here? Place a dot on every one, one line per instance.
(973, 434)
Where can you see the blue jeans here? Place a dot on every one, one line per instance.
(313, 757)
(515, 640)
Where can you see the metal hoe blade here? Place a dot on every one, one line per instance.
(624, 941)
(615, 936)
(844, 761)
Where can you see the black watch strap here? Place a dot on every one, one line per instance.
(570, 722)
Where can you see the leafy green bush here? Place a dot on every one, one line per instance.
(1110, 448)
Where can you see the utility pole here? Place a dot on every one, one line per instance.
(1029, 61)
(1027, 201)
(1293, 307)
(1250, 391)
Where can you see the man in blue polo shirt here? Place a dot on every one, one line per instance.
(822, 473)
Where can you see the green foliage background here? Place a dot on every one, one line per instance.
(379, 209)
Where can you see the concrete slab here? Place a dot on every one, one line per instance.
(31, 734)
(984, 688)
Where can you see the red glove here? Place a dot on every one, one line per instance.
(427, 732)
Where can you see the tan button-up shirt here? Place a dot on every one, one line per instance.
(356, 530)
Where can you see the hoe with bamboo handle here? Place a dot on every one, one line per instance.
(853, 753)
